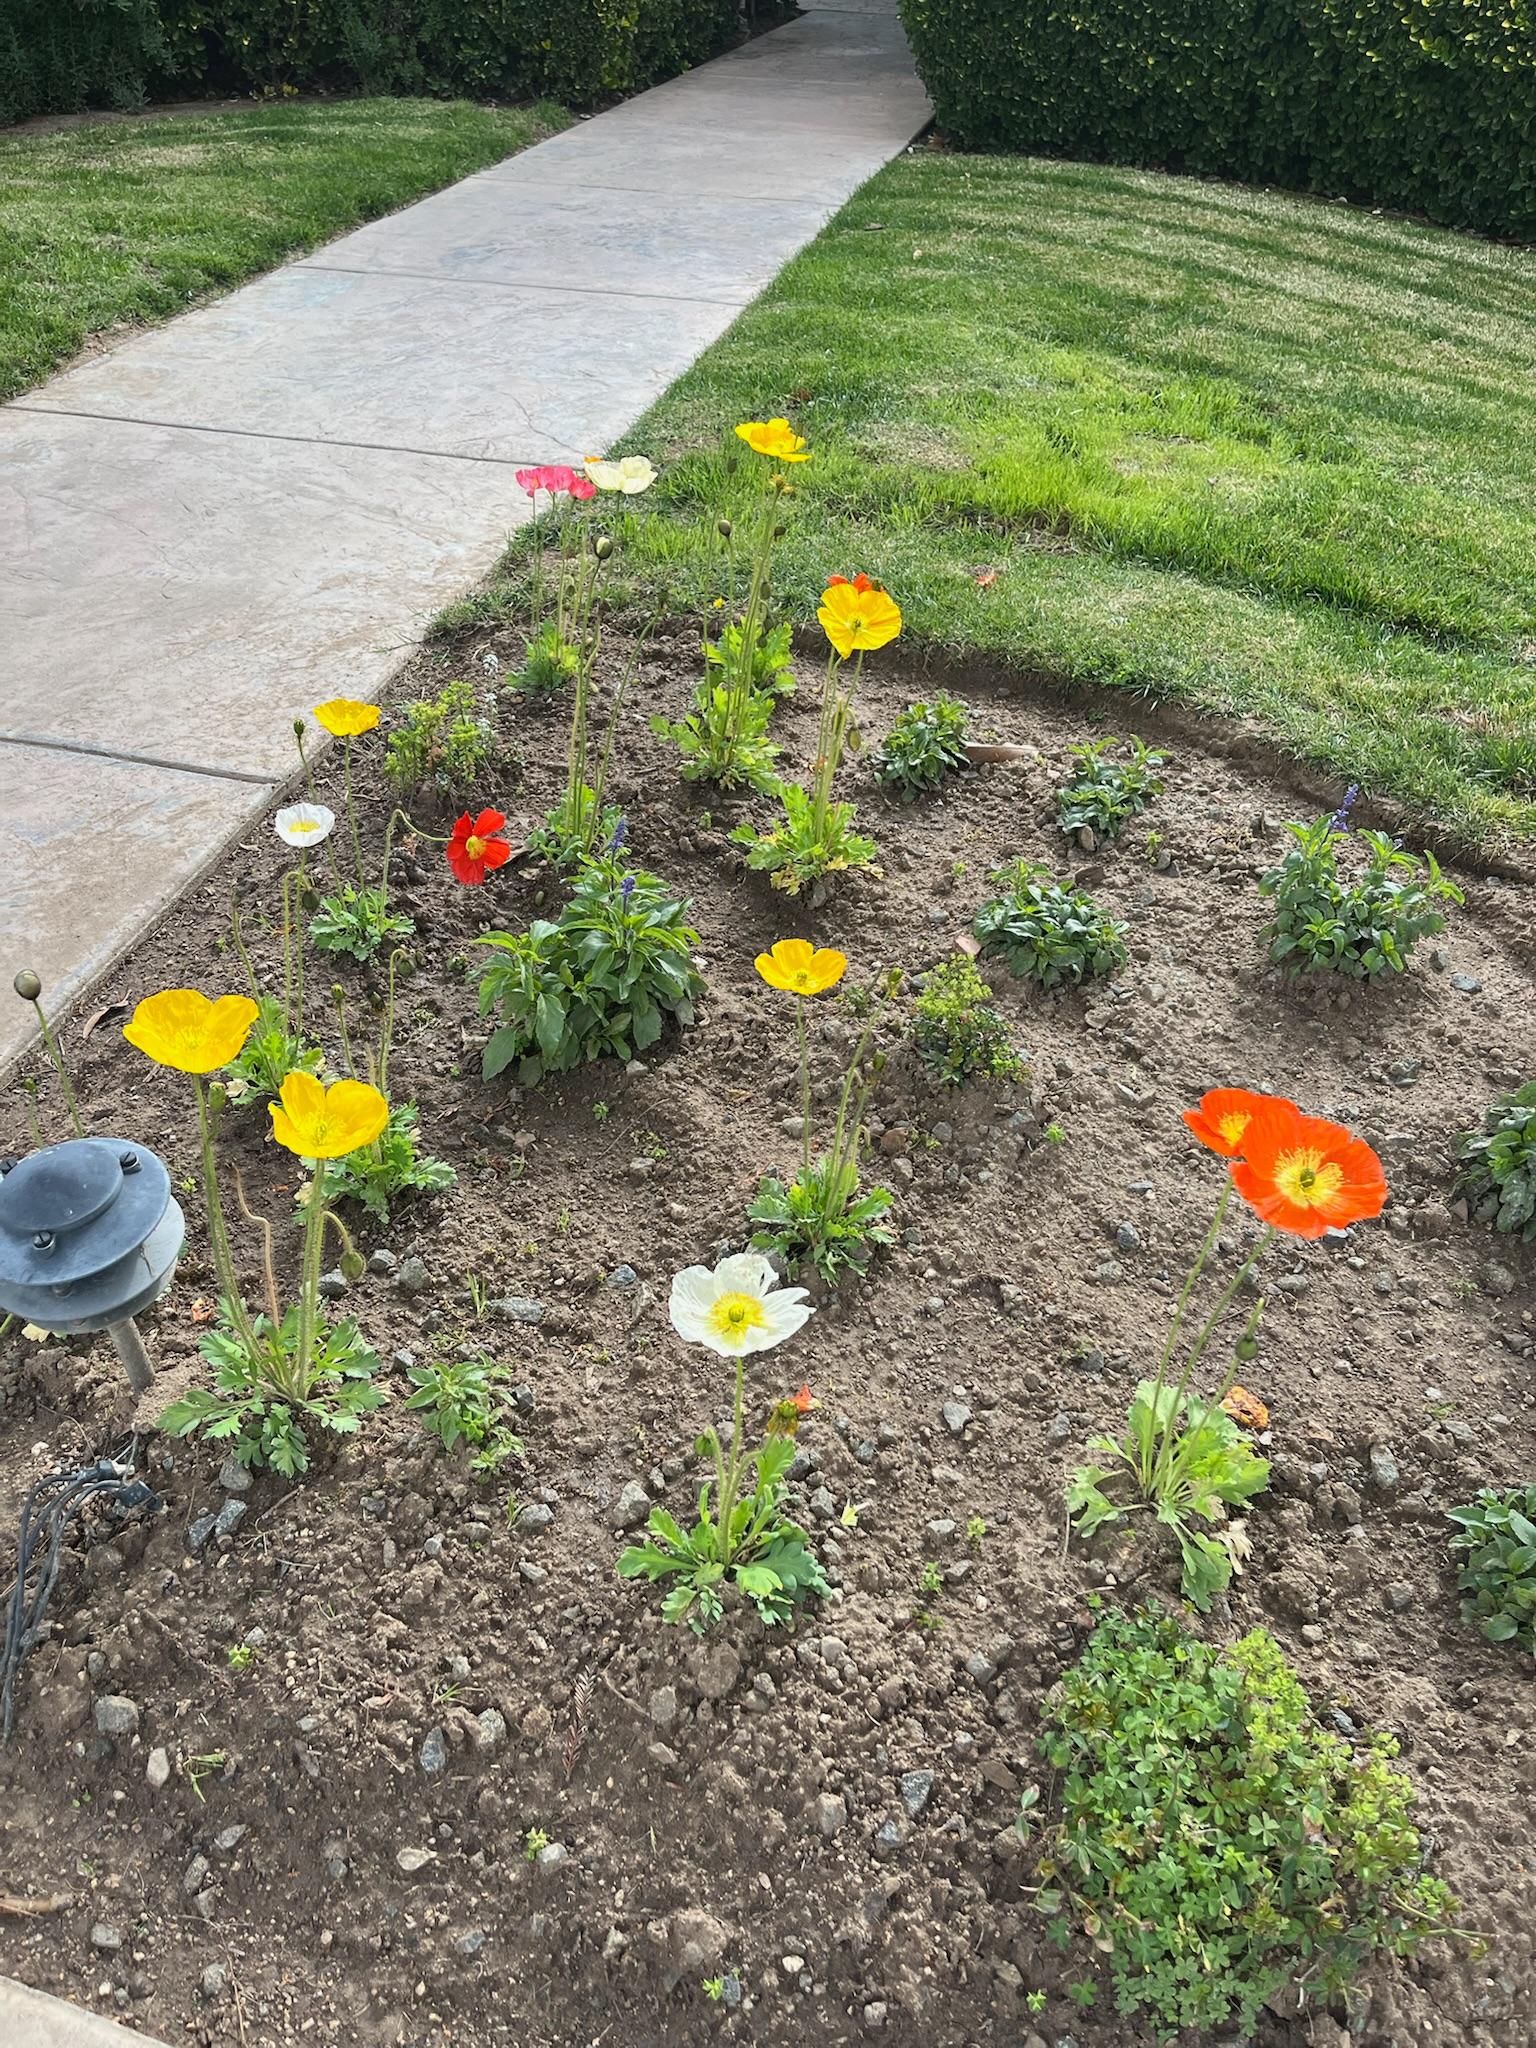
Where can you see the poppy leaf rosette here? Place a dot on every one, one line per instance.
(190, 1032)
(776, 439)
(346, 718)
(476, 846)
(858, 616)
(737, 1308)
(1305, 1175)
(1221, 1118)
(801, 969)
(316, 1122)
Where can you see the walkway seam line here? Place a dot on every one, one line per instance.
(133, 419)
(38, 740)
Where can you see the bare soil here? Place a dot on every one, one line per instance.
(720, 1803)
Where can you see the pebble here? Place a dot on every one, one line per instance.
(890, 1836)
(229, 1517)
(830, 1813)
(469, 1943)
(552, 1855)
(518, 1308)
(631, 1507)
(1399, 1596)
(433, 1755)
(1127, 1237)
(106, 1938)
(382, 1261)
(331, 1286)
(233, 1476)
(213, 1980)
(663, 1705)
(116, 1715)
(198, 1533)
(622, 1276)
(1466, 984)
(413, 1277)
(535, 1515)
(1384, 1472)
(157, 1769)
(916, 1791)
(956, 1415)
(716, 1670)
(490, 1731)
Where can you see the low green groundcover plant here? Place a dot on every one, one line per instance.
(1045, 932)
(1495, 1549)
(1498, 1164)
(601, 981)
(924, 747)
(1104, 793)
(1364, 927)
(441, 743)
(1216, 1841)
(957, 1033)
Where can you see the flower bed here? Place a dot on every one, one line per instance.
(366, 1749)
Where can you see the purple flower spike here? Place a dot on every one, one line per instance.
(1339, 822)
(620, 834)
(627, 890)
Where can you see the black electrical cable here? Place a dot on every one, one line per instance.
(45, 1516)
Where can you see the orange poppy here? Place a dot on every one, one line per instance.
(1223, 1116)
(1304, 1174)
(786, 1416)
(1245, 1408)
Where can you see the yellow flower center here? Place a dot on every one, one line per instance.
(1307, 1179)
(474, 847)
(303, 825)
(1233, 1125)
(734, 1314)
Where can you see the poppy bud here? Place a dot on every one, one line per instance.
(353, 1266)
(602, 547)
(1247, 1348)
(27, 985)
(724, 528)
(779, 532)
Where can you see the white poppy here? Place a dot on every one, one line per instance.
(737, 1308)
(304, 824)
(631, 474)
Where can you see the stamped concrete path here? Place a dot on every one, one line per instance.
(233, 517)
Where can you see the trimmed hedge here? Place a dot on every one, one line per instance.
(1429, 105)
(56, 55)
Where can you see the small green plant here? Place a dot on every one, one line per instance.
(767, 662)
(1498, 1164)
(270, 1387)
(925, 745)
(1045, 932)
(1217, 1842)
(930, 1579)
(202, 1767)
(357, 922)
(1103, 794)
(1083, 1993)
(1055, 1135)
(602, 981)
(441, 743)
(957, 1033)
(815, 839)
(1365, 927)
(468, 1402)
(975, 1533)
(601, 1111)
(271, 1053)
(1035, 2000)
(390, 1167)
(550, 662)
(534, 1839)
(1495, 1551)
(241, 1656)
(742, 1538)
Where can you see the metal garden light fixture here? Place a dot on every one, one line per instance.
(89, 1235)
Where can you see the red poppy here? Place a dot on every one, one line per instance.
(476, 847)
(555, 477)
(1306, 1175)
(1223, 1117)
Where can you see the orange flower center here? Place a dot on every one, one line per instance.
(474, 846)
(1233, 1125)
(1307, 1179)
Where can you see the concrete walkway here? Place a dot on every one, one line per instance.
(32, 2019)
(259, 506)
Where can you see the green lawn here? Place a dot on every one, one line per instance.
(1268, 457)
(131, 220)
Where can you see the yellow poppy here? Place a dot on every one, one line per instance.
(774, 438)
(184, 1029)
(346, 717)
(318, 1122)
(801, 969)
(858, 614)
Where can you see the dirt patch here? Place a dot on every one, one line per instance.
(744, 1809)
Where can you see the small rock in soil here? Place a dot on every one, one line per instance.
(631, 1507)
(716, 1670)
(916, 1791)
(518, 1308)
(106, 1938)
(830, 1813)
(233, 1476)
(413, 1277)
(696, 1940)
(382, 1261)
(214, 1978)
(1384, 1472)
(536, 1515)
(116, 1715)
(229, 1517)
(1399, 1596)
(198, 1533)
(332, 1286)
(434, 1753)
(956, 1415)
(157, 1769)
(553, 1854)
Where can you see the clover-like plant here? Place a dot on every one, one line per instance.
(1495, 1552)
(824, 1215)
(440, 743)
(924, 747)
(1045, 932)
(467, 1404)
(957, 1033)
(1365, 926)
(1280, 1850)
(742, 1536)
(600, 981)
(1105, 793)
(1498, 1164)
